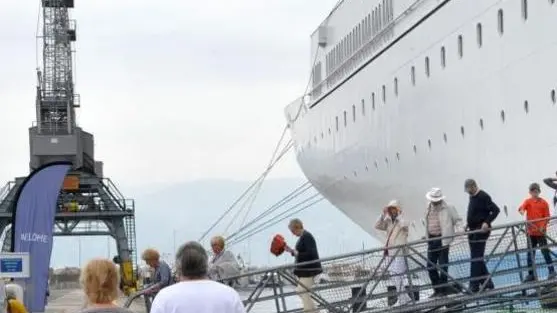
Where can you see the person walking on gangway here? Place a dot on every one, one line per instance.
(391, 222)
(304, 251)
(482, 211)
(441, 221)
(162, 277)
(537, 217)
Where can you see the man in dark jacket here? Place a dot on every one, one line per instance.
(482, 211)
(305, 251)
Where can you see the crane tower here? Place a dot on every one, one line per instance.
(89, 203)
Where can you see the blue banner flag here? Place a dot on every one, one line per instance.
(32, 227)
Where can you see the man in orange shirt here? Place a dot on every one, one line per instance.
(537, 214)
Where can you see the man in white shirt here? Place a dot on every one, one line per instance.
(195, 293)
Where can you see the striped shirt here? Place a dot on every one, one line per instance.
(433, 222)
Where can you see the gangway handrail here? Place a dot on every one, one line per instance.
(506, 240)
(394, 248)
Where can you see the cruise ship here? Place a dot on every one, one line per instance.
(406, 95)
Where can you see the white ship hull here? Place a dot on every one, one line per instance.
(488, 114)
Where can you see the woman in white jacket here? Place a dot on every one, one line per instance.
(396, 229)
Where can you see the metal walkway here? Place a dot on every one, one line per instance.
(362, 282)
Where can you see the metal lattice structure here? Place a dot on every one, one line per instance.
(89, 204)
(56, 101)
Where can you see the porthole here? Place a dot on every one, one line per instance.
(479, 36)
(445, 137)
(345, 119)
(553, 96)
(429, 143)
(481, 123)
(503, 116)
(415, 149)
(500, 22)
(396, 86)
(363, 107)
(413, 75)
(384, 94)
(353, 113)
(443, 57)
(525, 9)
(526, 107)
(460, 47)
(398, 156)
(427, 72)
(373, 100)
(462, 130)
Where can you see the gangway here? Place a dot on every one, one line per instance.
(361, 281)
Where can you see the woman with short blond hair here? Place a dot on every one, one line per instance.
(99, 279)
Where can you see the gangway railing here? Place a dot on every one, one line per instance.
(365, 281)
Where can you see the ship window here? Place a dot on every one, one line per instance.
(525, 9)
(479, 34)
(384, 94)
(396, 86)
(443, 57)
(413, 75)
(500, 23)
(460, 46)
(462, 130)
(429, 143)
(445, 137)
(363, 107)
(354, 113)
(481, 123)
(553, 96)
(336, 122)
(345, 119)
(526, 106)
(427, 72)
(373, 100)
(503, 116)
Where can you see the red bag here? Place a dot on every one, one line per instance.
(278, 245)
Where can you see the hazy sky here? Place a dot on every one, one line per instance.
(174, 91)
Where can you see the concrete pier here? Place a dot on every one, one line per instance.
(71, 301)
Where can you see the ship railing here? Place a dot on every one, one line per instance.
(372, 287)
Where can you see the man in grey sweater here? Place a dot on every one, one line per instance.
(441, 220)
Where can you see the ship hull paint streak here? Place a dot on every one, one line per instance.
(488, 113)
